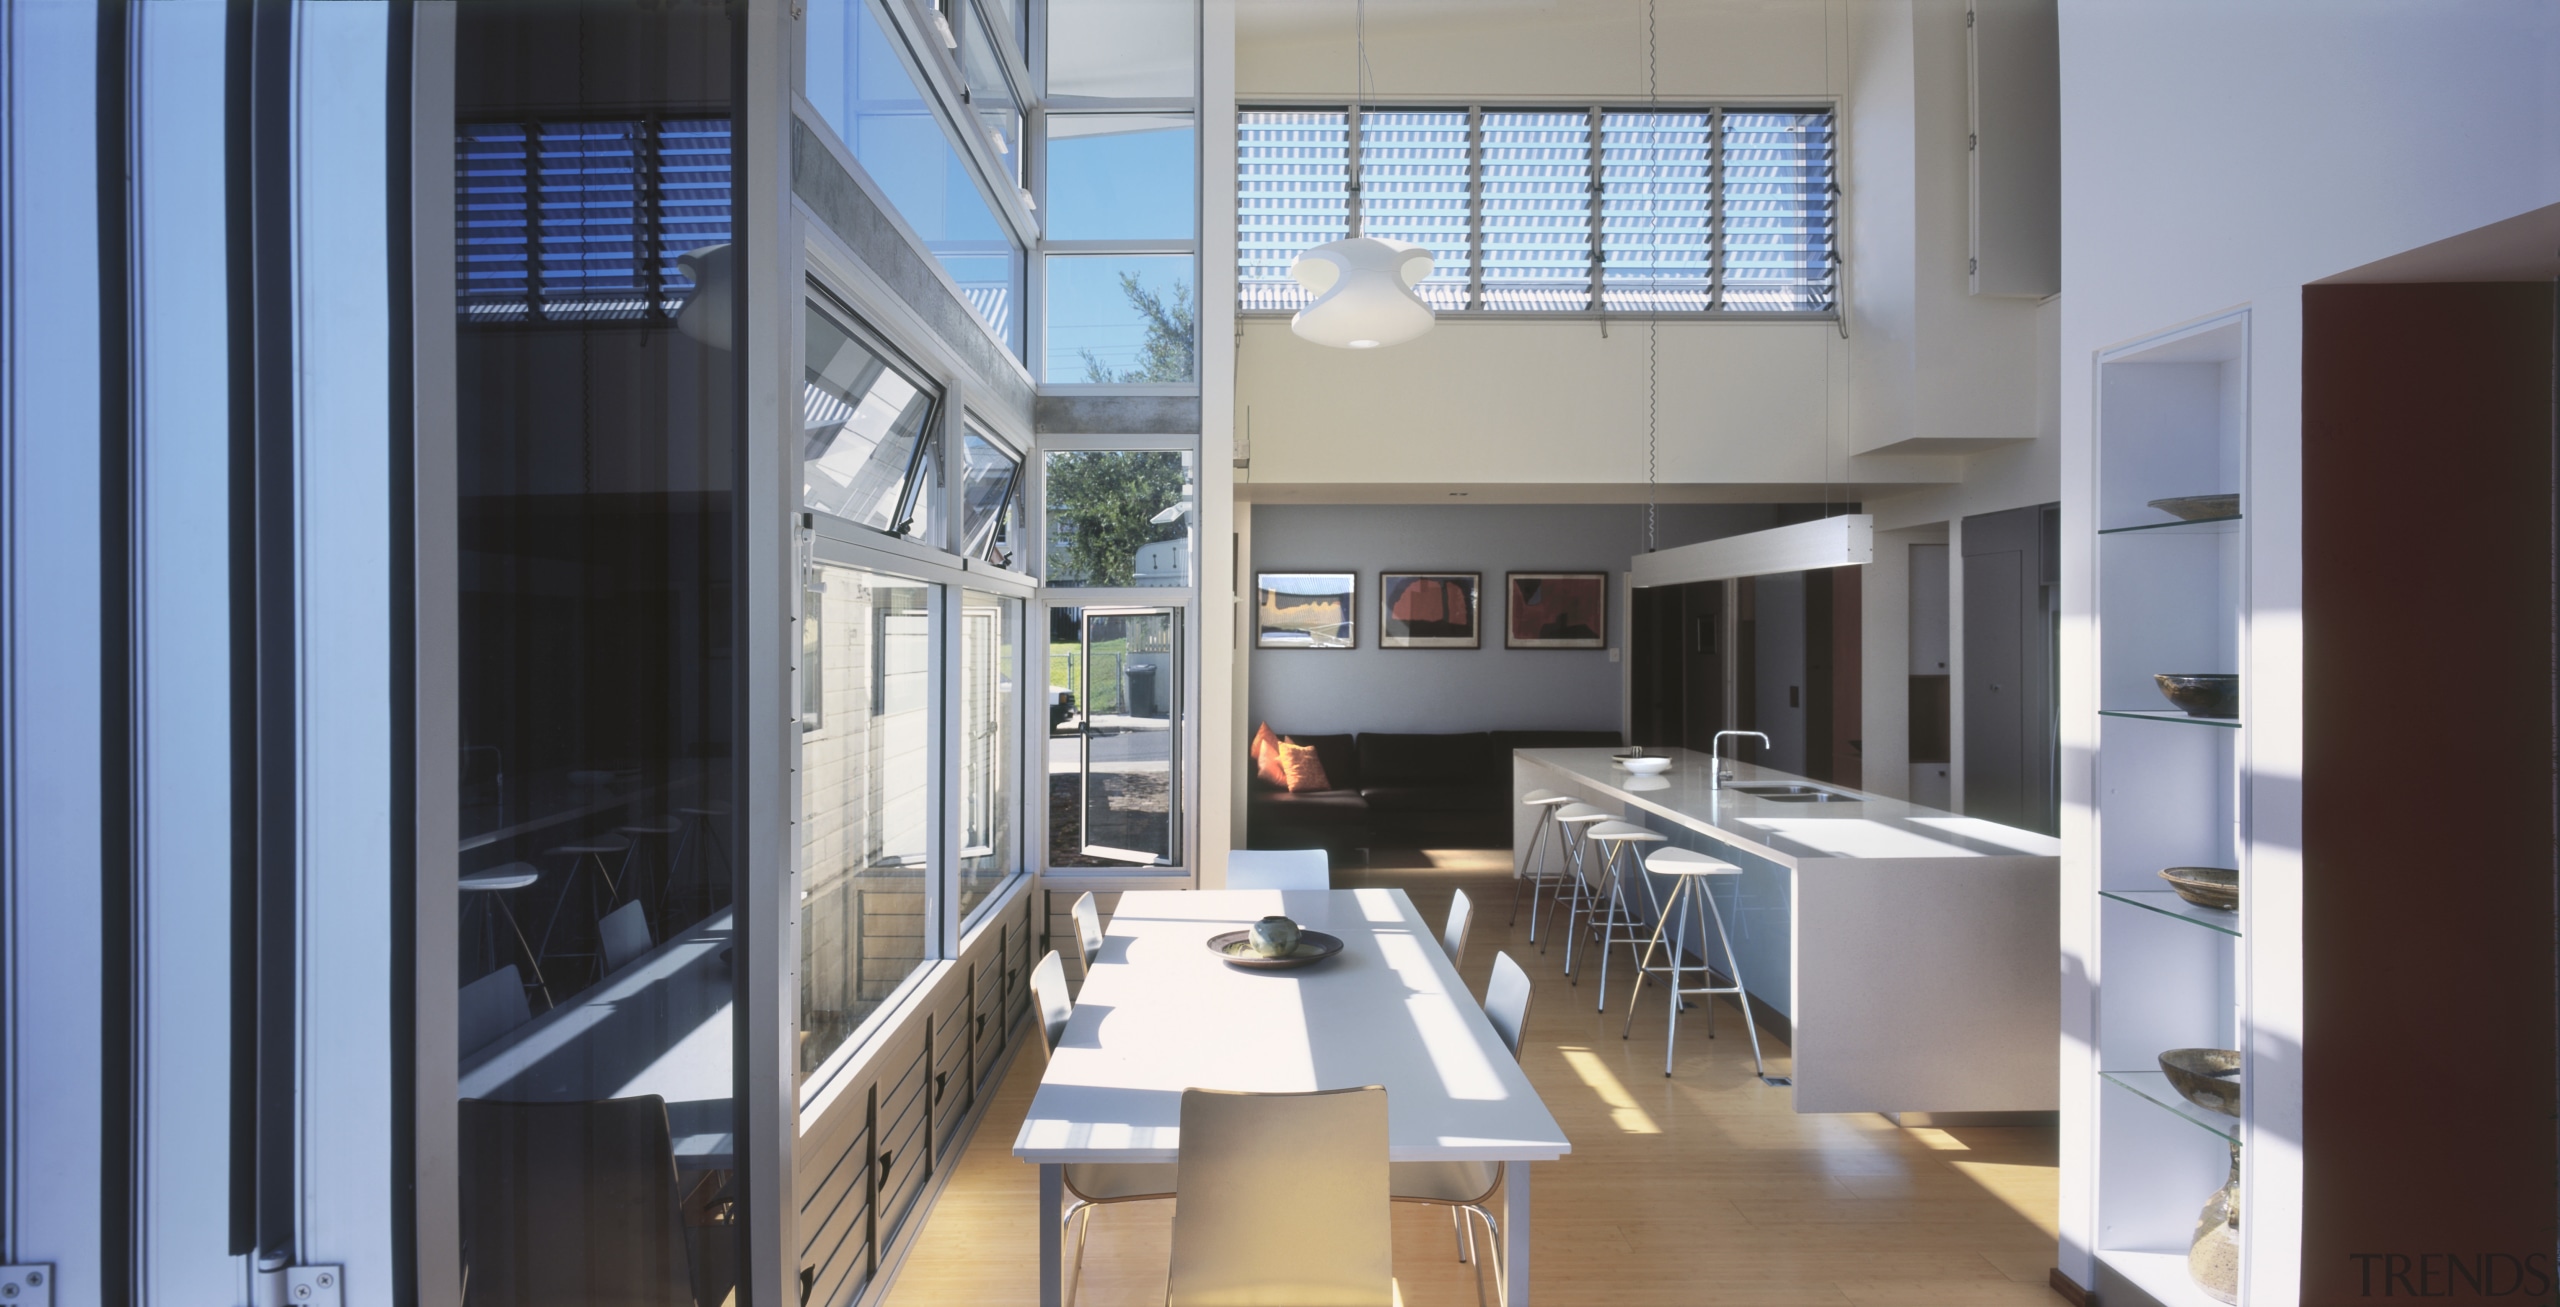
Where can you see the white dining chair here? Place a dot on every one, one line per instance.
(1089, 1184)
(490, 1007)
(1467, 1188)
(1088, 917)
(1282, 1198)
(1453, 937)
(1278, 869)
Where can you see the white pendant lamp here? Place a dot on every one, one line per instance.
(705, 315)
(1363, 285)
(1364, 293)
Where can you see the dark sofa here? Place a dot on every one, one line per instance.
(1402, 791)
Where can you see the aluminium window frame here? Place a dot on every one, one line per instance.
(1476, 107)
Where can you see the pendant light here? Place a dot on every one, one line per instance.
(1363, 286)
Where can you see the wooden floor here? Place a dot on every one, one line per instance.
(1703, 1188)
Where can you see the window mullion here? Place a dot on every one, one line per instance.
(1592, 180)
(1475, 207)
(1715, 210)
(1351, 173)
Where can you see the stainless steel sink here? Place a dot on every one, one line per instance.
(1781, 793)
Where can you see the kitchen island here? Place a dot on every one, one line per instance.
(1909, 951)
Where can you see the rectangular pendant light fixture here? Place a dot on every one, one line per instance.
(1845, 541)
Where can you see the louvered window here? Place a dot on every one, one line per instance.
(1292, 194)
(1688, 210)
(585, 221)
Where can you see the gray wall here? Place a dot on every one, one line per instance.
(1324, 691)
(1777, 651)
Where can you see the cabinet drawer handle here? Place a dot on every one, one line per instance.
(886, 1161)
(938, 1082)
(981, 1026)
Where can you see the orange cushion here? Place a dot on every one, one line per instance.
(1262, 739)
(1267, 768)
(1304, 772)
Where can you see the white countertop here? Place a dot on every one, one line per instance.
(1794, 835)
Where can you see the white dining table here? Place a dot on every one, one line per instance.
(1159, 1013)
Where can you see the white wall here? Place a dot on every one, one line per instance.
(1368, 688)
(2220, 155)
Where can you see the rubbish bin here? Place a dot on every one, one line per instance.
(1140, 696)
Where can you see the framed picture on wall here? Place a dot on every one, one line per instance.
(1305, 610)
(1556, 610)
(1429, 610)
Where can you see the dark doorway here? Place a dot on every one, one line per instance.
(2011, 713)
(1676, 672)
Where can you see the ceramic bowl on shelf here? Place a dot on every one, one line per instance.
(2206, 1077)
(2201, 694)
(1647, 766)
(2199, 508)
(2206, 887)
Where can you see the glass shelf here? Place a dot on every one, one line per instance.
(2168, 904)
(2154, 1088)
(2201, 526)
(2171, 715)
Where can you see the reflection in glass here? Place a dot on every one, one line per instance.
(991, 97)
(594, 515)
(1125, 49)
(866, 806)
(991, 499)
(865, 455)
(990, 646)
(1120, 318)
(1115, 698)
(1127, 176)
(1119, 517)
(863, 84)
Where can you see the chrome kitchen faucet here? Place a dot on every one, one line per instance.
(1716, 774)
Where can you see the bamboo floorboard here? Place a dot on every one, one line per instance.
(1704, 1188)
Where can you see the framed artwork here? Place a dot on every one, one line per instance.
(1305, 610)
(1556, 610)
(1430, 610)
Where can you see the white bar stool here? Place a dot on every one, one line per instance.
(1690, 870)
(1533, 870)
(1613, 922)
(491, 888)
(1571, 820)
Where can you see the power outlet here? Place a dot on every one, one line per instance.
(27, 1286)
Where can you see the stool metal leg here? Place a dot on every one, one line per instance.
(1741, 995)
(1644, 965)
(1527, 871)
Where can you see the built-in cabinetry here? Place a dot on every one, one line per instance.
(879, 1138)
(2148, 787)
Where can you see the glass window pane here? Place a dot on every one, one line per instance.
(1778, 211)
(1115, 697)
(991, 98)
(1537, 211)
(1121, 318)
(1125, 49)
(864, 426)
(1656, 221)
(1293, 171)
(1119, 517)
(1120, 177)
(866, 804)
(990, 495)
(863, 84)
(1413, 188)
(990, 652)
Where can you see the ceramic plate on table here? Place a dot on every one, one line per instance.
(1236, 946)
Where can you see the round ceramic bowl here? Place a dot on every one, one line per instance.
(1647, 766)
(2206, 1077)
(1236, 946)
(2202, 694)
(2206, 887)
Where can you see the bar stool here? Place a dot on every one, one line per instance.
(580, 853)
(1571, 819)
(1690, 870)
(1533, 870)
(1614, 923)
(490, 888)
(637, 832)
(698, 839)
